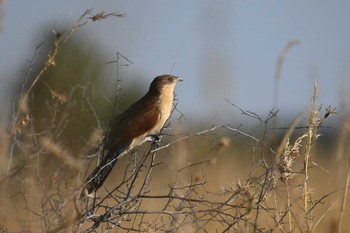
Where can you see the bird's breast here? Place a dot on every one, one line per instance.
(165, 104)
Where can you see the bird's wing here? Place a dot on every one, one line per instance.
(137, 120)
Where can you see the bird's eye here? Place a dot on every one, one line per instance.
(170, 79)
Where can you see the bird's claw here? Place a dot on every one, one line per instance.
(155, 139)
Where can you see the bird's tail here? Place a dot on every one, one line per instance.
(101, 172)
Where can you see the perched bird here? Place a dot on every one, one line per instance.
(145, 117)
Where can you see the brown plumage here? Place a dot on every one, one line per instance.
(145, 117)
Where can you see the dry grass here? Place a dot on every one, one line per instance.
(221, 179)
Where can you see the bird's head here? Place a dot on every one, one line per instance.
(165, 80)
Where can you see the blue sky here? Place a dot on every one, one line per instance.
(222, 49)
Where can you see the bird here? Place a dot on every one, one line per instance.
(145, 117)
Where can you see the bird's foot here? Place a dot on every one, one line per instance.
(155, 139)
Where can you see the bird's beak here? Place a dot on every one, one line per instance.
(178, 79)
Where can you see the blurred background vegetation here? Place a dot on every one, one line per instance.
(73, 100)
